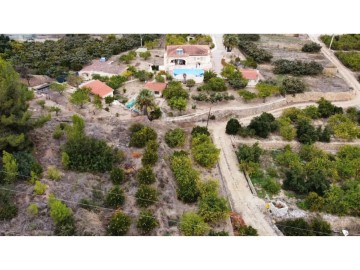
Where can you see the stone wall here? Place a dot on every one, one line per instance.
(315, 96)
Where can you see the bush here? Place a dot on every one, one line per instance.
(252, 50)
(314, 202)
(58, 133)
(8, 210)
(175, 137)
(155, 114)
(247, 231)
(216, 84)
(213, 208)
(219, 233)
(146, 176)
(141, 137)
(146, 222)
(190, 83)
(326, 109)
(115, 197)
(10, 167)
(346, 42)
(263, 125)
(39, 188)
(117, 176)
(311, 47)
(186, 177)
(192, 224)
(297, 67)
(150, 156)
(292, 86)
(53, 173)
(119, 224)
(159, 78)
(204, 151)
(33, 209)
(26, 163)
(299, 227)
(247, 95)
(62, 216)
(209, 74)
(343, 127)
(248, 154)
(306, 133)
(199, 130)
(232, 126)
(146, 196)
(350, 59)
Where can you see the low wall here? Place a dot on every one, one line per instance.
(315, 96)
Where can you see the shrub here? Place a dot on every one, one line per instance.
(192, 224)
(213, 208)
(119, 224)
(350, 59)
(306, 133)
(62, 216)
(155, 114)
(141, 137)
(8, 210)
(146, 222)
(146, 196)
(58, 132)
(320, 227)
(26, 163)
(204, 151)
(65, 159)
(145, 55)
(186, 177)
(297, 67)
(199, 130)
(115, 197)
(252, 50)
(219, 233)
(292, 86)
(53, 173)
(299, 227)
(247, 95)
(343, 127)
(117, 176)
(159, 78)
(146, 176)
(232, 126)
(175, 137)
(10, 167)
(33, 209)
(209, 74)
(216, 84)
(311, 47)
(263, 125)
(326, 109)
(150, 156)
(343, 42)
(248, 154)
(247, 231)
(39, 188)
(136, 127)
(314, 202)
(190, 83)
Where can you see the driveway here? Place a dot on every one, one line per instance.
(218, 52)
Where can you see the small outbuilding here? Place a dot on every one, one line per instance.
(156, 87)
(252, 75)
(99, 88)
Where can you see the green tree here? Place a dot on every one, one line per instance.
(11, 168)
(263, 125)
(146, 196)
(204, 151)
(141, 137)
(343, 127)
(145, 100)
(311, 47)
(58, 87)
(97, 102)
(199, 130)
(247, 231)
(306, 133)
(39, 188)
(62, 216)
(190, 83)
(247, 95)
(145, 55)
(295, 227)
(265, 90)
(249, 153)
(80, 97)
(192, 224)
(15, 119)
(178, 103)
(115, 197)
(292, 86)
(209, 74)
(175, 137)
(146, 176)
(74, 80)
(213, 208)
(326, 109)
(232, 126)
(230, 41)
(216, 84)
(150, 156)
(8, 208)
(119, 224)
(146, 222)
(117, 176)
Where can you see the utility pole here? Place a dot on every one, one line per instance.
(140, 41)
(207, 122)
(332, 39)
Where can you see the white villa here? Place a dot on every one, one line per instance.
(191, 60)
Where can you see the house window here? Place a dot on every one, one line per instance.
(157, 93)
(179, 51)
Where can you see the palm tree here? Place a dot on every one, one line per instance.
(230, 41)
(144, 100)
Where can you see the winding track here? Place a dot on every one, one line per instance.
(243, 201)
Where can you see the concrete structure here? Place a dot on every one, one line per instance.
(330, 70)
(99, 88)
(188, 58)
(156, 87)
(278, 208)
(252, 75)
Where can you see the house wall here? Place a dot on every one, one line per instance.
(109, 95)
(252, 83)
(190, 60)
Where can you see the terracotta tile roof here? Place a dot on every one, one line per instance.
(155, 86)
(197, 50)
(249, 74)
(98, 88)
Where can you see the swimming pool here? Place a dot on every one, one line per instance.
(131, 103)
(189, 71)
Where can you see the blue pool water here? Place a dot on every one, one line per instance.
(130, 104)
(188, 71)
